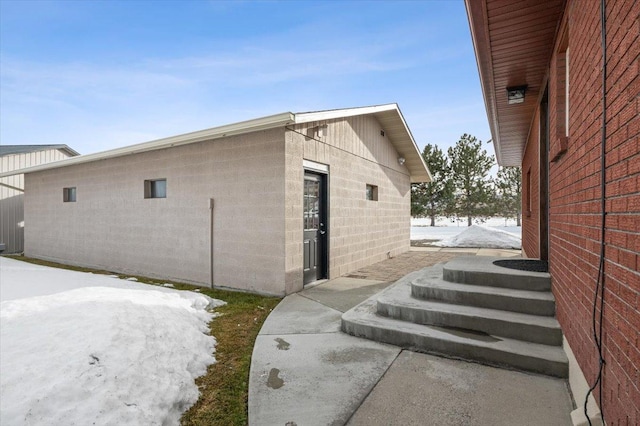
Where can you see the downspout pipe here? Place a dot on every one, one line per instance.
(211, 257)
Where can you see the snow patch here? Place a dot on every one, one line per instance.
(482, 237)
(78, 352)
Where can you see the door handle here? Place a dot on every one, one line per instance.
(323, 232)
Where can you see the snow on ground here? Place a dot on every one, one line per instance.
(78, 348)
(445, 229)
(482, 236)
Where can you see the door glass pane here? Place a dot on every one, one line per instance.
(311, 204)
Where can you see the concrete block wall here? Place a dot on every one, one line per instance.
(112, 225)
(575, 199)
(361, 232)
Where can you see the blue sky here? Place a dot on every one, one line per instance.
(98, 75)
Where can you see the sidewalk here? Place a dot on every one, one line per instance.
(304, 371)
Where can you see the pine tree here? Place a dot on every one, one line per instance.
(470, 166)
(509, 192)
(434, 198)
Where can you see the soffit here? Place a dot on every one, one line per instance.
(513, 41)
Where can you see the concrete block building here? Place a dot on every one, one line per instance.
(15, 157)
(561, 82)
(266, 205)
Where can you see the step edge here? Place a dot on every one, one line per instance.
(505, 329)
(391, 299)
(553, 364)
(367, 310)
(484, 289)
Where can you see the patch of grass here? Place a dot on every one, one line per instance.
(423, 243)
(224, 389)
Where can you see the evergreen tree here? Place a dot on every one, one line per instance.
(470, 166)
(508, 190)
(434, 198)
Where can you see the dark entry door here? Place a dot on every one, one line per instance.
(315, 229)
(544, 176)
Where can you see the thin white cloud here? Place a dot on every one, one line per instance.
(315, 63)
(261, 66)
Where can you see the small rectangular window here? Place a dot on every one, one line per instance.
(156, 188)
(560, 145)
(372, 192)
(69, 194)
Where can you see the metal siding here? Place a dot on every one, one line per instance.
(12, 201)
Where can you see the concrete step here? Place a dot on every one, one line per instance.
(480, 270)
(396, 302)
(362, 321)
(507, 299)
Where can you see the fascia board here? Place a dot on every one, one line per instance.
(307, 117)
(416, 150)
(68, 150)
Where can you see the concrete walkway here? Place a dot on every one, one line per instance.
(304, 371)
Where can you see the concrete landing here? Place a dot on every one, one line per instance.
(479, 270)
(422, 389)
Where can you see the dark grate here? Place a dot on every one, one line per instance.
(530, 265)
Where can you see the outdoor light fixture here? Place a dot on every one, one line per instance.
(401, 160)
(322, 130)
(515, 94)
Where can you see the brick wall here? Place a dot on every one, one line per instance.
(575, 198)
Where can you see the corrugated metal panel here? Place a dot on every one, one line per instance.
(11, 220)
(25, 149)
(12, 200)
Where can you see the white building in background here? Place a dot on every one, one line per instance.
(14, 157)
(266, 205)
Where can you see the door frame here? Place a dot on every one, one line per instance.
(543, 226)
(320, 171)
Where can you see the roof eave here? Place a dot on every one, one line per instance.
(307, 117)
(478, 26)
(263, 123)
(405, 145)
(513, 43)
(68, 150)
(420, 173)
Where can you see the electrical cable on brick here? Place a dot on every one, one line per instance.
(600, 281)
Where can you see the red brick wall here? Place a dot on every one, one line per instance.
(575, 199)
(531, 192)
